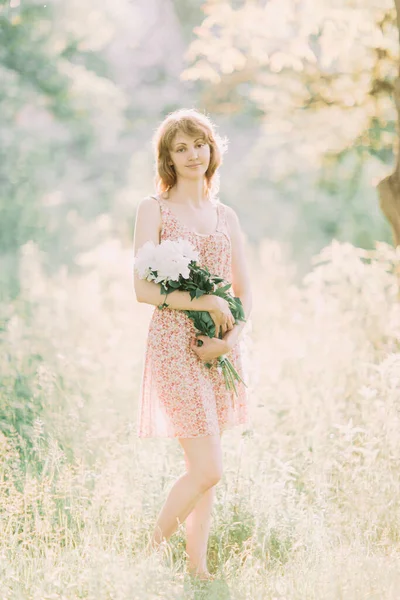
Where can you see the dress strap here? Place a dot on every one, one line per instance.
(160, 204)
(155, 198)
(163, 211)
(222, 216)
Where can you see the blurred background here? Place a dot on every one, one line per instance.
(303, 89)
(303, 94)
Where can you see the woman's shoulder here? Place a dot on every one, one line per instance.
(149, 207)
(151, 198)
(149, 202)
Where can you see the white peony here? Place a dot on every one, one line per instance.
(170, 259)
(171, 262)
(145, 260)
(187, 249)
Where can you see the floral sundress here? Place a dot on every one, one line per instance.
(179, 396)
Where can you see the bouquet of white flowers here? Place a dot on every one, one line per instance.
(174, 265)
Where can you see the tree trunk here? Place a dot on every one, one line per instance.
(389, 188)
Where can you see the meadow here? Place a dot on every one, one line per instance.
(309, 504)
(307, 96)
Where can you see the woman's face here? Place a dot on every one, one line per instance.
(190, 155)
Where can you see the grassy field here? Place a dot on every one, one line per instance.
(309, 504)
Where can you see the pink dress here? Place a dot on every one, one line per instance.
(180, 396)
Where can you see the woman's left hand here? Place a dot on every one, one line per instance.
(211, 348)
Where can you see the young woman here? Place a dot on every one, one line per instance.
(180, 397)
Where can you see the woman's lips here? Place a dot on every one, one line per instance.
(193, 166)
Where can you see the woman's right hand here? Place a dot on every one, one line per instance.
(221, 315)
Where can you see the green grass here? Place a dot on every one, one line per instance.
(309, 505)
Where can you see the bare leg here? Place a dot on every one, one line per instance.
(204, 457)
(198, 525)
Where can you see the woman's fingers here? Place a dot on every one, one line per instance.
(224, 325)
(218, 327)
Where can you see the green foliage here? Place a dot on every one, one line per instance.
(232, 537)
(49, 132)
(274, 545)
(322, 84)
(202, 282)
(37, 105)
(18, 406)
(26, 50)
(297, 65)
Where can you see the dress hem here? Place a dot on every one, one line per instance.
(166, 436)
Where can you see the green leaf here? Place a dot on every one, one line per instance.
(224, 288)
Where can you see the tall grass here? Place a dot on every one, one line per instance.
(309, 504)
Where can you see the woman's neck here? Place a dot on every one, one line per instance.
(191, 193)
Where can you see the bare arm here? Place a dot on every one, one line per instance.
(241, 283)
(148, 227)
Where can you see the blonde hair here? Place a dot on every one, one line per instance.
(191, 122)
